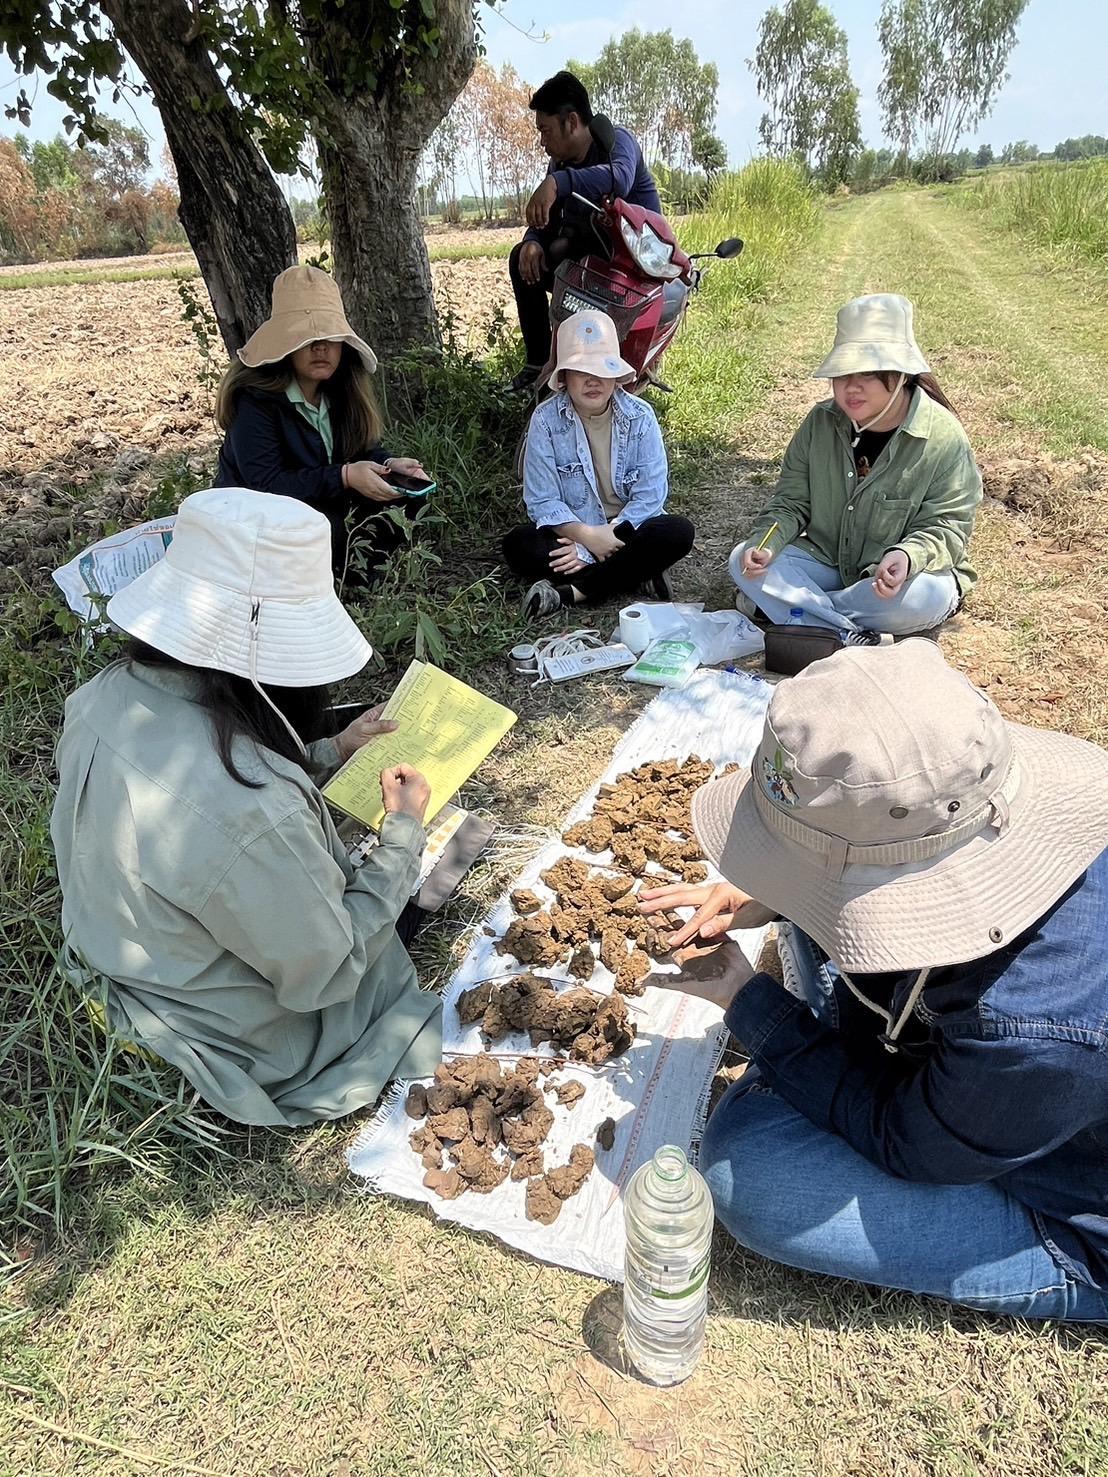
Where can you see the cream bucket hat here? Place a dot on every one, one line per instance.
(896, 817)
(306, 306)
(246, 587)
(589, 342)
(872, 334)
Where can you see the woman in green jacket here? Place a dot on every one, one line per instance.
(208, 903)
(868, 529)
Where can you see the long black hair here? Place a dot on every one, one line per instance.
(237, 710)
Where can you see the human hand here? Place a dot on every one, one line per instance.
(890, 574)
(565, 559)
(407, 466)
(368, 481)
(755, 562)
(719, 906)
(404, 791)
(531, 261)
(540, 204)
(366, 726)
(600, 541)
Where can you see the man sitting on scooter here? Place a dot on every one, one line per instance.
(589, 157)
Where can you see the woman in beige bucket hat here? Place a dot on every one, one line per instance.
(301, 419)
(595, 483)
(926, 1105)
(209, 907)
(868, 530)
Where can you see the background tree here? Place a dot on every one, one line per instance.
(944, 63)
(658, 88)
(984, 156)
(1089, 146)
(803, 73)
(238, 90)
(709, 152)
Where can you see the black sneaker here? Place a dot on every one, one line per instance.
(542, 598)
(524, 381)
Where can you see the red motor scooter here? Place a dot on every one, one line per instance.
(640, 277)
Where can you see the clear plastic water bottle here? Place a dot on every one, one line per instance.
(796, 616)
(667, 1211)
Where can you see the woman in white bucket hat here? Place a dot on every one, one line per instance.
(868, 530)
(208, 902)
(926, 1105)
(301, 419)
(595, 482)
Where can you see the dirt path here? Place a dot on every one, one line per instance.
(1023, 354)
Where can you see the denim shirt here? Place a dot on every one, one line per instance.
(559, 485)
(1003, 1075)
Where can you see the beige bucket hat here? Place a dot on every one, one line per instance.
(246, 587)
(896, 817)
(306, 306)
(871, 334)
(589, 342)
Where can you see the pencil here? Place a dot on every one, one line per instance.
(770, 531)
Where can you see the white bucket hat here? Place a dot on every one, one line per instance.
(306, 306)
(896, 817)
(246, 587)
(873, 334)
(589, 342)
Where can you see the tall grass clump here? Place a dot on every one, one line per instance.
(716, 364)
(1063, 207)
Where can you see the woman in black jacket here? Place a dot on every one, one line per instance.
(301, 419)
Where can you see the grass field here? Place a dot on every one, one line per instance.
(230, 1306)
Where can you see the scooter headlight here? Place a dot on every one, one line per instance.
(651, 253)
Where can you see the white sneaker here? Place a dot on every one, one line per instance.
(745, 606)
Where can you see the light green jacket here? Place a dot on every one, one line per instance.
(224, 927)
(921, 495)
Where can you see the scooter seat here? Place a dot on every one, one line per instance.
(674, 295)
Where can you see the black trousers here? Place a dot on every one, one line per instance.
(567, 243)
(647, 551)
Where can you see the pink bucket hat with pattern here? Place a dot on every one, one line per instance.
(589, 342)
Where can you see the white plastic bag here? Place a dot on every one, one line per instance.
(723, 636)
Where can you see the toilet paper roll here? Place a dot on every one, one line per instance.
(640, 624)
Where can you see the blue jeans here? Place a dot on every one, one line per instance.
(797, 580)
(799, 1195)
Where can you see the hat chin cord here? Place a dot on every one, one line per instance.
(893, 1027)
(255, 612)
(881, 414)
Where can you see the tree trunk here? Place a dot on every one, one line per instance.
(232, 209)
(368, 166)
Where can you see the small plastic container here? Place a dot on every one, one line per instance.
(665, 663)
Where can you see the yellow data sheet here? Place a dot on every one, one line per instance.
(445, 730)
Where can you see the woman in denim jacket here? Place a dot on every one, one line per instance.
(868, 529)
(595, 481)
(926, 1105)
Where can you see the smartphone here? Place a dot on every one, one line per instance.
(410, 486)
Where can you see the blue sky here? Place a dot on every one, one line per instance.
(1056, 88)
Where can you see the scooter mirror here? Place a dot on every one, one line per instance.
(729, 248)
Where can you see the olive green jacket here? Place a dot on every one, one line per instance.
(224, 928)
(921, 495)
